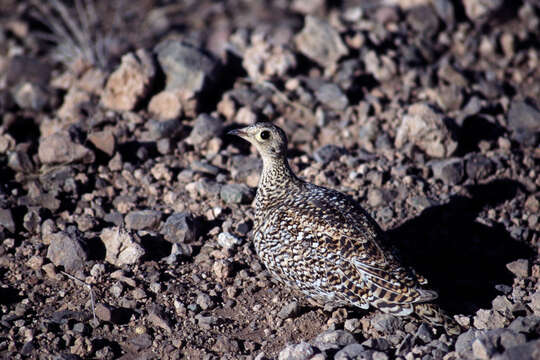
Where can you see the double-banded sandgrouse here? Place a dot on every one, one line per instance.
(321, 242)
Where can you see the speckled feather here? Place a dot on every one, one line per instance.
(323, 243)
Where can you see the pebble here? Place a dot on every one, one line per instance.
(519, 267)
(386, 323)
(120, 247)
(289, 310)
(228, 241)
(104, 141)
(187, 68)
(236, 194)
(165, 105)
(479, 167)
(478, 10)
(205, 128)
(332, 96)
(328, 153)
(143, 219)
(30, 96)
(301, 351)
(6, 220)
(180, 228)
(333, 339)
(451, 171)
(320, 42)
(60, 148)
(68, 251)
(524, 122)
(130, 83)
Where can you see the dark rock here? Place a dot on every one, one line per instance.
(526, 325)
(67, 251)
(20, 162)
(445, 10)
(104, 141)
(180, 228)
(186, 67)
(205, 128)
(328, 153)
(524, 121)
(164, 129)
(352, 352)
(6, 220)
(479, 167)
(424, 333)
(236, 194)
(332, 96)
(450, 171)
(386, 323)
(424, 20)
(528, 351)
(140, 342)
(143, 219)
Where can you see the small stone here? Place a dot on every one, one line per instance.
(180, 228)
(187, 68)
(205, 301)
(535, 302)
(164, 129)
(328, 153)
(32, 221)
(450, 171)
(205, 128)
(165, 105)
(104, 141)
(519, 267)
(289, 310)
(302, 351)
(530, 350)
(480, 9)
(120, 248)
(6, 220)
(158, 318)
(526, 325)
(143, 219)
(489, 319)
(223, 269)
(424, 333)
(236, 194)
(30, 96)
(524, 122)
(130, 83)
(320, 42)
(375, 197)
(35, 262)
(386, 323)
(352, 325)
(426, 129)
(479, 167)
(332, 96)
(483, 350)
(333, 339)
(73, 100)
(67, 251)
(59, 148)
(228, 241)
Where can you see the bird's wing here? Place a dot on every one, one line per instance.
(348, 230)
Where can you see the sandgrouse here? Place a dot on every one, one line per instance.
(322, 243)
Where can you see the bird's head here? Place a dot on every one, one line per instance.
(270, 140)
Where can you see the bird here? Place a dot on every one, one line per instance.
(322, 243)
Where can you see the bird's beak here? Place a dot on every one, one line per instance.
(238, 132)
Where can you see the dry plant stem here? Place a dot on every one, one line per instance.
(89, 287)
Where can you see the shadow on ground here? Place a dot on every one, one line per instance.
(462, 258)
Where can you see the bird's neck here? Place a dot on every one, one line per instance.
(277, 180)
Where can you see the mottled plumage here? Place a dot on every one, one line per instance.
(324, 244)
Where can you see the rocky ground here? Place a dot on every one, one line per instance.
(125, 210)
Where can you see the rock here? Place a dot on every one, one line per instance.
(130, 83)
(357, 351)
(19, 161)
(423, 19)
(424, 333)
(180, 228)
(120, 247)
(289, 310)
(67, 251)
(165, 105)
(426, 129)
(143, 219)
(205, 128)
(332, 96)
(480, 9)
(535, 302)
(59, 148)
(479, 167)
(6, 220)
(483, 349)
(223, 269)
(302, 351)
(386, 323)
(73, 100)
(104, 141)
(263, 59)
(445, 10)
(526, 325)
(382, 68)
(333, 339)
(164, 129)
(528, 351)
(519, 267)
(489, 319)
(236, 194)
(450, 171)
(30, 96)
(524, 122)
(328, 153)
(228, 241)
(320, 42)
(187, 68)
(204, 301)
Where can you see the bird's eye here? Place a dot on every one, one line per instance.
(264, 135)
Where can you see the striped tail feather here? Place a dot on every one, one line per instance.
(433, 314)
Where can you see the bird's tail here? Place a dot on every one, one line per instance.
(433, 314)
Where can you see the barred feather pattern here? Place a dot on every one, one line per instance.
(322, 243)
